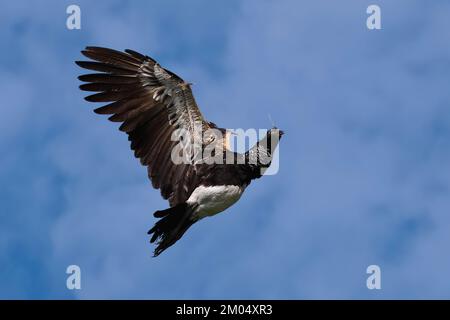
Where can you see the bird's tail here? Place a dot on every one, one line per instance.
(173, 224)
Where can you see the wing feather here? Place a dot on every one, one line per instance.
(103, 67)
(151, 103)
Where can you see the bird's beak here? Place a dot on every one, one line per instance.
(281, 133)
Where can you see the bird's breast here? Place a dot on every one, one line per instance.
(211, 200)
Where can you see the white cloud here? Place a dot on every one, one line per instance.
(363, 177)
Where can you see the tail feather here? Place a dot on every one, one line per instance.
(170, 228)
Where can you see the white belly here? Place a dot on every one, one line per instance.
(214, 199)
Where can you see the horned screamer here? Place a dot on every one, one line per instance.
(155, 105)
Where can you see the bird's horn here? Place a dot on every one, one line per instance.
(271, 120)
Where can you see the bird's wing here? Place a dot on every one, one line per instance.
(151, 103)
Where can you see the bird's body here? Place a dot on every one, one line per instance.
(154, 106)
(210, 200)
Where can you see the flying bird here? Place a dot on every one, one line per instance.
(154, 105)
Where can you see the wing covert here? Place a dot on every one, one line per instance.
(150, 102)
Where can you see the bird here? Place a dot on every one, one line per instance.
(153, 105)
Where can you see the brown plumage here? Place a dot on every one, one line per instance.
(151, 102)
(130, 81)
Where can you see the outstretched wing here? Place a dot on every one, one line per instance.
(150, 102)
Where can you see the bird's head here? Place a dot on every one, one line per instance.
(275, 133)
(273, 136)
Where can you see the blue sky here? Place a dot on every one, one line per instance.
(364, 166)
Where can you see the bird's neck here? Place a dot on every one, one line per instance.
(259, 157)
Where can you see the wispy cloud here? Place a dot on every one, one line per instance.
(364, 175)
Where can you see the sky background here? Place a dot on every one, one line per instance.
(364, 166)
